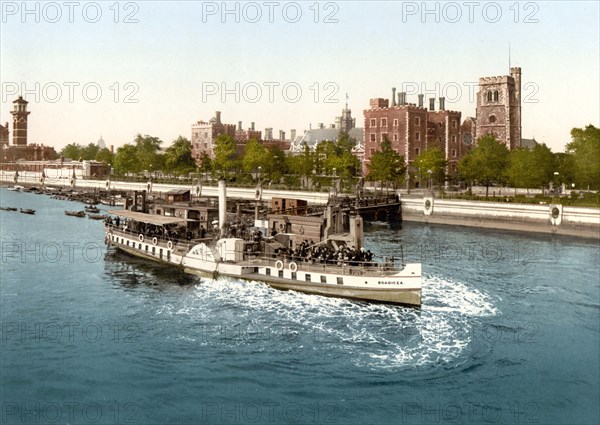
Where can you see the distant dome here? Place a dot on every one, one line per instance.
(101, 143)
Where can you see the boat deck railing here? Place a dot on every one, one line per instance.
(178, 244)
(345, 267)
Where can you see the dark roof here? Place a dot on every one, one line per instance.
(528, 143)
(20, 100)
(317, 135)
(178, 191)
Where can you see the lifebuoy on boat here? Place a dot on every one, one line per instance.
(293, 266)
(281, 227)
(279, 264)
(141, 237)
(154, 241)
(170, 245)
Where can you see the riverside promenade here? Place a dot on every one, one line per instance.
(539, 218)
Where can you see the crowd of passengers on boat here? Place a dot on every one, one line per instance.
(324, 254)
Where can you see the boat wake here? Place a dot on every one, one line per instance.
(374, 336)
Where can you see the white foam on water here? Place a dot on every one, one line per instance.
(367, 335)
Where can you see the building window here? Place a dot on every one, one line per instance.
(453, 153)
(384, 136)
(492, 119)
(395, 122)
(454, 123)
(417, 120)
(373, 122)
(384, 122)
(489, 96)
(395, 137)
(373, 137)
(417, 136)
(453, 138)
(373, 152)
(417, 151)
(496, 96)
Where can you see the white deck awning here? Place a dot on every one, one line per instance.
(159, 220)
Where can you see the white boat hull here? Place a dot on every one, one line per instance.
(361, 283)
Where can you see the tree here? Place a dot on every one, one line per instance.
(125, 160)
(543, 165)
(565, 167)
(519, 169)
(205, 163)
(302, 165)
(585, 148)
(90, 151)
(73, 151)
(178, 157)
(147, 153)
(485, 163)
(431, 164)
(225, 159)
(105, 155)
(387, 165)
(257, 155)
(279, 164)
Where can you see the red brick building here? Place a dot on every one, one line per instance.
(411, 129)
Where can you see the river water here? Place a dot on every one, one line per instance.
(508, 333)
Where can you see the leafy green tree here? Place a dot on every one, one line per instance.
(431, 164)
(544, 165)
(73, 151)
(225, 159)
(585, 148)
(148, 154)
(387, 165)
(126, 161)
(485, 163)
(279, 164)
(519, 169)
(178, 157)
(256, 155)
(337, 155)
(302, 165)
(105, 155)
(204, 163)
(90, 151)
(565, 167)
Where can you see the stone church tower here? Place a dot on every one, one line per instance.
(499, 108)
(19, 114)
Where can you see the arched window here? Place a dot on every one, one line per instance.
(496, 96)
(492, 119)
(489, 96)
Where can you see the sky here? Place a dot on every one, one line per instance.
(116, 69)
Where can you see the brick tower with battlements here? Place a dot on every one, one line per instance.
(499, 108)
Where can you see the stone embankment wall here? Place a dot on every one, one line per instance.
(544, 218)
